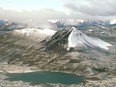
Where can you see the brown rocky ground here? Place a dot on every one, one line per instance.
(21, 53)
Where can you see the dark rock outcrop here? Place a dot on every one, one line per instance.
(58, 39)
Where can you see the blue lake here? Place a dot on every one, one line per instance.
(45, 77)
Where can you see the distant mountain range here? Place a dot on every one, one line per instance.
(58, 24)
(6, 25)
(77, 23)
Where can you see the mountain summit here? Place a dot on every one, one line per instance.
(79, 40)
(74, 38)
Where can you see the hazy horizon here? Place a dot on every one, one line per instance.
(29, 11)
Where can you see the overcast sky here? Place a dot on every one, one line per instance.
(39, 10)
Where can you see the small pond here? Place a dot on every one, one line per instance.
(45, 77)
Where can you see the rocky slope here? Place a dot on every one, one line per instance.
(28, 51)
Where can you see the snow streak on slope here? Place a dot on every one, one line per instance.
(79, 40)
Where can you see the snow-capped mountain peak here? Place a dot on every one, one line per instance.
(79, 40)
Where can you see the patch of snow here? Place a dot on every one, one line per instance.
(53, 21)
(47, 31)
(27, 31)
(22, 71)
(90, 30)
(113, 21)
(103, 32)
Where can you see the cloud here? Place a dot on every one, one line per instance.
(81, 10)
(36, 17)
(93, 7)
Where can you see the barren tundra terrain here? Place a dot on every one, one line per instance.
(25, 52)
